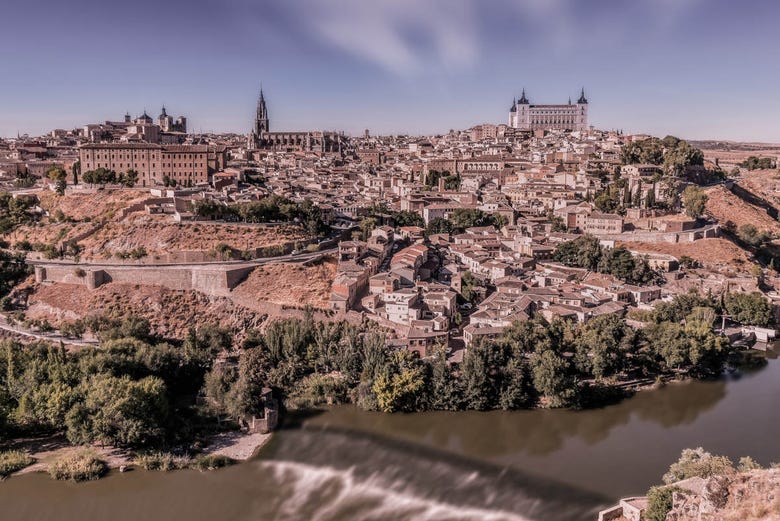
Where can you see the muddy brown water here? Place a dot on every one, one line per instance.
(521, 465)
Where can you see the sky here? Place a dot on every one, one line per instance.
(698, 69)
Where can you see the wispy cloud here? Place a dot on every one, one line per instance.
(404, 37)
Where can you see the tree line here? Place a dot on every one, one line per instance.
(673, 154)
(533, 363)
(103, 176)
(758, 163)
(133, 391)
(274, 208)
(463, 218)
(587, 252)
(141, 392)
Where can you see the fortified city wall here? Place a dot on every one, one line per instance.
(214, 281)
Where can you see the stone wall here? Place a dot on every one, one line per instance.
(708, 232)
(215, 281)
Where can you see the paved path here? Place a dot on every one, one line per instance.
(50, 337)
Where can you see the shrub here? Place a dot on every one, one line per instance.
(12, 461)
(83, 465)
(23, 245)
(51, 252)
(318, 389)
(74, 329)
(163, 461)
(80, 273)
(698, 463)
(659, 503)
(138, 253)
(212, 462)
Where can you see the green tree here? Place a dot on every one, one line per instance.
(602, 345)
(698, 463)
(367, 225)
(552, 380)
(58, 175)
(76, 171)
(583, 252)
(129, 179)
(406, 218)
(445, 391)
(749, 308)
(119, 411)
(659, 503)
(695, 201)
(752, 236)
(439, 225)
(400, 387)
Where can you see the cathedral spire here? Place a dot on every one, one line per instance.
(583, 99)
(261, 115)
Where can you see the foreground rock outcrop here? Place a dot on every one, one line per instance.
(747, 496)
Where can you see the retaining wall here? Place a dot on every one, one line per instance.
(707, 232)
(215, 281)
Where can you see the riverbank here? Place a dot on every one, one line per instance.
(236, 445)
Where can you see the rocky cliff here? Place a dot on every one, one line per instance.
(746, 496)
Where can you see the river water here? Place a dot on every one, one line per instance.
(344, 464)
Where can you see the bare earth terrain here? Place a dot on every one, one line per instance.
(726, 207)
(289, 284)
(171, 313)
(158, 235)
(95, 221)
(711, 253)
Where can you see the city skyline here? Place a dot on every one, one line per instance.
(396, 67)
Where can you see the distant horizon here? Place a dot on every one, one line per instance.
(191, 131)
(698, 69)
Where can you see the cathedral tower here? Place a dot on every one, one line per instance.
(261, 116)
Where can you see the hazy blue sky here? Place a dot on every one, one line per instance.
(695, 68)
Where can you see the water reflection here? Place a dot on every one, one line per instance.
(539, 432)
(617, 450)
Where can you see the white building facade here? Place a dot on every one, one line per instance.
(572, 116)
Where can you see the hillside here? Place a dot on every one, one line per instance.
(748, 496)
(289, 285)
(714, 254)
(96, 221)
(727, 207)
(170, 313)
(158, 235)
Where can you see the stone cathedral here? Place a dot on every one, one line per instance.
(261, 137)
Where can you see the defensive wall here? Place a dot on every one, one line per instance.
(707, 232)
(211, 280)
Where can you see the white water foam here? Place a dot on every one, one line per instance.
(339, 494)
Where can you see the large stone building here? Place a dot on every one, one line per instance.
(184, 164)
(166, 131)
(524, 116)
(261, 137)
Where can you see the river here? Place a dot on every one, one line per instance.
(524, 465)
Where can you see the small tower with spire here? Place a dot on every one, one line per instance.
(523, 100)
(583, 100)
(582, 112)
(521, 117)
